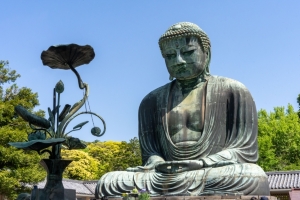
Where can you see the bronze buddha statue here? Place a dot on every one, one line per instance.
(198, 133)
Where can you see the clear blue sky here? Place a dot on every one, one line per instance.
(255, 42)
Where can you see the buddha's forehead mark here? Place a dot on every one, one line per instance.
(176, 43)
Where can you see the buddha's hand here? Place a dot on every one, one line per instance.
(149, 166)
(172, 167)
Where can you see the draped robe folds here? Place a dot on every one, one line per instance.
(227, 147)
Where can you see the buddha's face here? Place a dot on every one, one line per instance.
(184, 57)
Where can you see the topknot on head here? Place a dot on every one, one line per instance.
(186, 29)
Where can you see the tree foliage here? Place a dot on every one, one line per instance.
(83, 166)
(279, 139)
(298, 101)
(16, 166)
(115, 156)
(133, 156)
(102, 157)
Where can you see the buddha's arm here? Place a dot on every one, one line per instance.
(151, 163)
(225, 157)
(236, 129)
(149, 136)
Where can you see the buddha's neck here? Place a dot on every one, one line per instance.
(190, 84)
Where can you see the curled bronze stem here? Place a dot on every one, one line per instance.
(72, 111)
(86, 112)
(80, 83)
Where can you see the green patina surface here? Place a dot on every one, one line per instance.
(198, 133)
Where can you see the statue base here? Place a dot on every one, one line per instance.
(54, 188)
(217, 197)
(66, 194)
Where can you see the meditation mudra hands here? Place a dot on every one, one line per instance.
(170, 167)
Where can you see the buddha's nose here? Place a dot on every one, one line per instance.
(179, 60)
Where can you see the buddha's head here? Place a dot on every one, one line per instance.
(186, 50)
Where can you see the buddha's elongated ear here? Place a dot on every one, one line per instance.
(207, 62)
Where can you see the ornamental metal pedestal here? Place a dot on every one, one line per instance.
(54, 188)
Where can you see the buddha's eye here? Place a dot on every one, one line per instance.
(170, 56)
(187, 53)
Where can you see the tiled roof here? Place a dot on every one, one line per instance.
(284, 179)
(91, 185)
(81, 187)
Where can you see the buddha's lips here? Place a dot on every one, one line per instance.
(181, 69)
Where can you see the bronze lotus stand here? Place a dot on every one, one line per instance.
(49, 135)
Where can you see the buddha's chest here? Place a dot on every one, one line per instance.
(186, 115)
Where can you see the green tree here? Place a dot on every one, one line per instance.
(16, 166)
(279, 139)
(298, 101)
(83, 167)
(106, 154)
(115, 156)
(130, 153)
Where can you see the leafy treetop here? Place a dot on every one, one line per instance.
(279, 139)
(16, 167)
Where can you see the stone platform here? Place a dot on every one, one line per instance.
(224, 197)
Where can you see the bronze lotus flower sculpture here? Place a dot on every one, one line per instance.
(59, 57)
(68, 57)
(64, 56)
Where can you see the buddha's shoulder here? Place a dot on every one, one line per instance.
(157, 93)
(226, 82)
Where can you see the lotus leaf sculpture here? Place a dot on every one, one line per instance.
(52, 132)
(59, 57)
